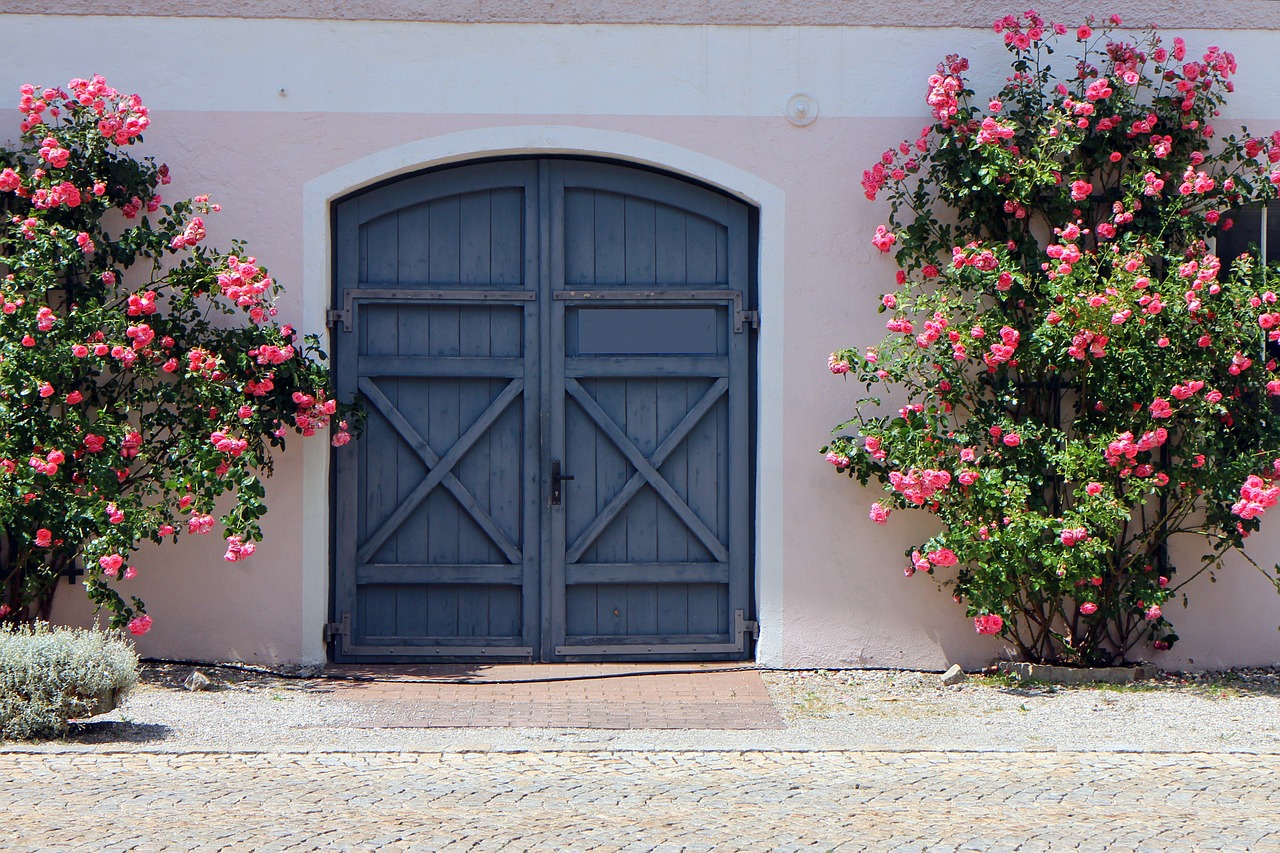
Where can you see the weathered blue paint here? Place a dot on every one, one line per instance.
(505, 317)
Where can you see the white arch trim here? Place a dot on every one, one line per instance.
(317, 198)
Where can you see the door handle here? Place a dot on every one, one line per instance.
(556, 479)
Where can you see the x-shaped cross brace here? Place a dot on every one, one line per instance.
(647, 470)
(440, 469)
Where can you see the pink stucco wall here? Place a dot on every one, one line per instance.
(256, 141)
(1240, 14)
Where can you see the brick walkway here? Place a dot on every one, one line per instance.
(591, 696)
(639, 801)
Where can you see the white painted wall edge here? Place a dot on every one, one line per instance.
(320, 193)
(381, 67)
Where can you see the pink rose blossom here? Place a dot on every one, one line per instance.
(943, 557)
(238, 549)
(140, 625)
(1073, 536)
(1088, 608)
(883, 239)
(988, 623)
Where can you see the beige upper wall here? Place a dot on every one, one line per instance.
(1239, 14)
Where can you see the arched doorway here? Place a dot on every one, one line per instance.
(554, 354)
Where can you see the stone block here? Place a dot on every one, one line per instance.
(1077, 675)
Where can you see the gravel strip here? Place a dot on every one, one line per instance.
(1237, 711)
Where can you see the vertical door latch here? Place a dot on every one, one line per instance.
(557, 492)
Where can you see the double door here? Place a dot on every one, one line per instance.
(554, 355)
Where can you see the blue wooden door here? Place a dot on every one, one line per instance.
(554, 357)
(649, 394)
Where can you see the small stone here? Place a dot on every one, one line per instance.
(197, 680)
(955, 675)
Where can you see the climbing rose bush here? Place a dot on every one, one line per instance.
(143, 375)
(1084, 377)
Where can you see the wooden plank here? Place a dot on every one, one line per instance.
(439, 573)
(612, 471)
(672, 406)
(580, 609)
(702, 472)
(664, 572)
(381, 447)
(610, 240)
(382, 238)
(657, 640)
(475, 220)
(705, 610)
(639, 365)
(642, 609)
(451, 366)
(473, 611)
(584, 501)
(415, 405)
(445, 424)
(673, 610)
(412, 227)
(505, 611)
(702, 250)
(641, 244)
(611, 610)
(473, 468)
(411, 609)
(669, 237)
(442, 611)
(641, 512)
(579, 238)
(506, 237)
(378, 610)
(445, 237)
(506, 472)
(404, 649)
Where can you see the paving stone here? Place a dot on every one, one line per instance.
(637, 801)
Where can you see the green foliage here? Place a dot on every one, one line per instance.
(50, 676)
(1085, 377)
(143, 376)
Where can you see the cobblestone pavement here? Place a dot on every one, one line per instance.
(639, 800)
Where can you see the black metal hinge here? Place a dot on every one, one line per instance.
(341, 628)
(335, 316)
